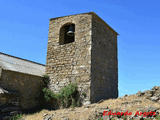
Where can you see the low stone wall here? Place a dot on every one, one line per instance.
(26, 86)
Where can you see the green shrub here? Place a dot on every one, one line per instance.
(48, 94)
(41, 97)
(68, 96)
(46, 80)
(16, 117)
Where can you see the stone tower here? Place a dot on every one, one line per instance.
(87, 57)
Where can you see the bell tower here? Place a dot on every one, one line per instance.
(82, 49)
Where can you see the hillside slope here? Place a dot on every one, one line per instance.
(142, 101)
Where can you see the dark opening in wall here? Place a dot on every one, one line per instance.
(67, 34)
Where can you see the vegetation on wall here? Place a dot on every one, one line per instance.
(16, 117)
(46, 80)
(68, 96)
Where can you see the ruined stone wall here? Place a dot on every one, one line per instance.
(26, 86)
(70, 62)
(104, 69)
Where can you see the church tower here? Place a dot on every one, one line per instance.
(82, 49)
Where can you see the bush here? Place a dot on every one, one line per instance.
(40, 95)
(16, 117)
(46, 80)
(48, 94)
(68, 96)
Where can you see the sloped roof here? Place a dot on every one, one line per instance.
(12, 63)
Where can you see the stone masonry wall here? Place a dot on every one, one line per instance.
(70, 62)
(104, 69)
(26, 86)
(0, 71)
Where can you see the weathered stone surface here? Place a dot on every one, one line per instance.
(27, 88)
(47, 117)
(104, 76)
(90, 61)
(153, 94)
(7, 111)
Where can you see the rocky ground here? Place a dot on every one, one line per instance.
(141, 102)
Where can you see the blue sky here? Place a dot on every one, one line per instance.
(24, 31)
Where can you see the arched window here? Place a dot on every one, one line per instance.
(67, 34)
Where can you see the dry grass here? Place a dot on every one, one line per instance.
(131, 103)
